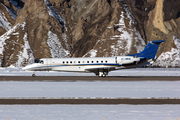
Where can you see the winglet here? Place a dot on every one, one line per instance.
(150, 50)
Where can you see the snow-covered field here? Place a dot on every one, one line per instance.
(13, 71)
(89, 112)
(146, 89)
(79, 89)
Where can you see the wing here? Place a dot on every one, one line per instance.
(100, 69)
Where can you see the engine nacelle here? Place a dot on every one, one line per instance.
(127, 60)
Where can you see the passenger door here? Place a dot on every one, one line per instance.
(49, 64)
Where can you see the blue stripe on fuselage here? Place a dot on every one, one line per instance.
(60, 65)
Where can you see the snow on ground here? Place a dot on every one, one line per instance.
(52, 12)
(124, 38)
(92, 53)
(114, 89)
(170, 89)
(6, 36)
(26, 55)
(171, 58)
(4, 21)
(15, 71)
(121, 41)
(57, 50)
(12, 13)
(128, 34)
(89, 112)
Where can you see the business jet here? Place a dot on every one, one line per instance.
(101, 66)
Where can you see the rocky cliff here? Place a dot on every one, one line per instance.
(32, 29)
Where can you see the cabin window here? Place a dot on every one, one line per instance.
(101, 61)
(97, 61)
(37, 61)
(63, 62)
(92, 61)
(74, 61)
(87, 61)
(70, 61)
(67, 62)
(40, 61)
(106, 61)
(79, 62)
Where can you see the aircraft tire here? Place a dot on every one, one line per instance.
(33, 75)
(104, 75)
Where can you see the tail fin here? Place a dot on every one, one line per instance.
(150, 50)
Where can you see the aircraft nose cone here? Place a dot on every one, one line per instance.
(25, 68)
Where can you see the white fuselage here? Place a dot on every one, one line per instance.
(82, 64)
(98, 65)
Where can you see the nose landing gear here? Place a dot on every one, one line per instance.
(33, 75)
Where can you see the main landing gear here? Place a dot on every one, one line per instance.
(102, 74)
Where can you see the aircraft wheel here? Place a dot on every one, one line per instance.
(104, 75)
(33, 75)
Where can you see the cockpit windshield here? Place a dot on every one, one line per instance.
(39, 61)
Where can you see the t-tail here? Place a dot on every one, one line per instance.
(150, 50)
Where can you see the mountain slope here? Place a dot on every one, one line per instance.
(87, 28)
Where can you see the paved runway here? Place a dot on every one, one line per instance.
(88, 101)
(156, 101)
(87, 78)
